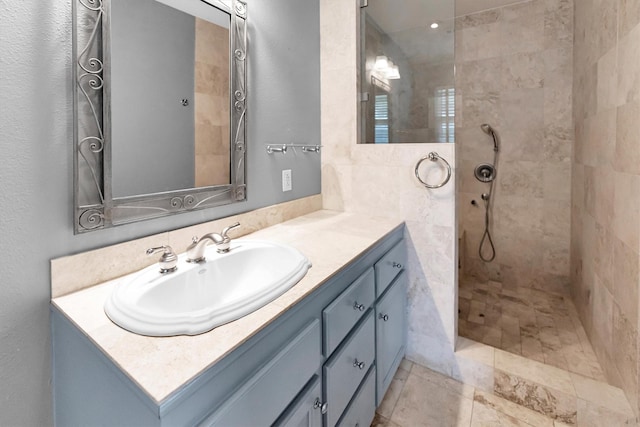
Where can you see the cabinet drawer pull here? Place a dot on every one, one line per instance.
(359, 307)
(359, 365)
(396, 265)
(383, 317)
(319, 405)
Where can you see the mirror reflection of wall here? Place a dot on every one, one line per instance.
(169, 99)
(407, 71)
(212, 157)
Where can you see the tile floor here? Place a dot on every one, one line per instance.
(535, 324)
(525, 393)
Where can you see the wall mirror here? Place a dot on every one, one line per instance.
(406, 71)
(160, 101)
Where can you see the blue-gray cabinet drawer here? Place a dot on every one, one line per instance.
(390, 333)
(363, 407)
(388, 267)
(345, 370)
(306, 410)
(345, 311)
(261, 399)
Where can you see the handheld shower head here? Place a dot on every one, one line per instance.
(486, 128)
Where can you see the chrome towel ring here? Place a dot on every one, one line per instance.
(434, 157)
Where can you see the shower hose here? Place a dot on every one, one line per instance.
(486, 236)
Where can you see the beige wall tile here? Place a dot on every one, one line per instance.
(626, 279)
(480, 76)
(603, 315)
(522, 71)
(625, 341)
(603, 260)
(521, 178)
(628, 16)
(627, 151)
(607, 80)
(605, 272)
(626, 220)
(521, 85)
(477, 19)
(628, 79)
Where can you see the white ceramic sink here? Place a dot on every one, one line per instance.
(198, 297)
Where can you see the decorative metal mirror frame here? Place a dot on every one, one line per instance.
(94, 206)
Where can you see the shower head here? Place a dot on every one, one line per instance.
(486, 128)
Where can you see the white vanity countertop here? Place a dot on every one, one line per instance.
(162, 365)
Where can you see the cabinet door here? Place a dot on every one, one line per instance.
(262, 399)
(307, 408)
(390, 333)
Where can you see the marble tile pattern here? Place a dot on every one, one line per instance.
(212, 159)
(161, 365)
(605, 212)
(378, 179)
(535, 324)
(532, 397)
(75, 272)
(513, 71)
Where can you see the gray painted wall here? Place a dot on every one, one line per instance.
(36, 174)
(152, 70)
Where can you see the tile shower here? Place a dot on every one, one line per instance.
(563, 289)
(514, 69)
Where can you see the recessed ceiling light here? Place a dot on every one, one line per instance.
(434, 25)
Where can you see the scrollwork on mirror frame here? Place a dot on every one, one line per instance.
(94, 206)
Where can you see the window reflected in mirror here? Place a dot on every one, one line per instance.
(406, 72)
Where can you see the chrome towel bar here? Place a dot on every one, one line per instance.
(282, 148)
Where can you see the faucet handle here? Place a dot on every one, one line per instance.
(229, 228)
(168, 261)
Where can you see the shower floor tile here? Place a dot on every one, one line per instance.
(528, 322)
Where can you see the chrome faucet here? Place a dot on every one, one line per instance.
(168, 261)
(195, 251)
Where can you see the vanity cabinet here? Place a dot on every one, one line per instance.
(326, 361)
